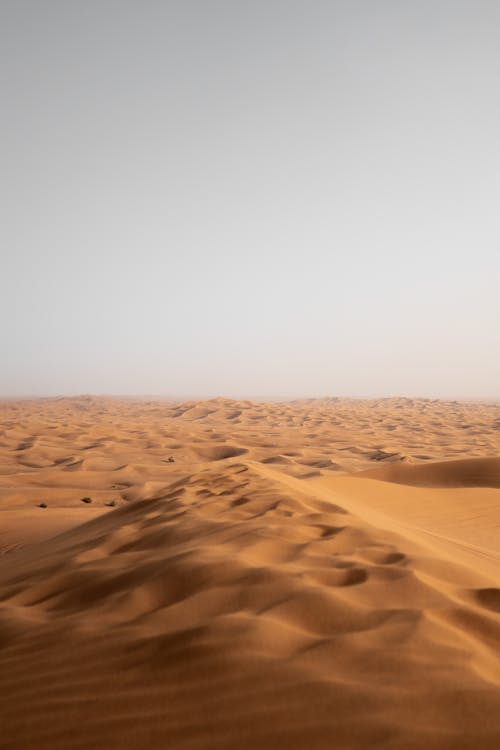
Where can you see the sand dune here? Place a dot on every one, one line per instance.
(472, 472)
(314, 574)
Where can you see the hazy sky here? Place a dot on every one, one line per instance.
(250, 198)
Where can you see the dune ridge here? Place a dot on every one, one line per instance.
(257, 582)
(467, 472)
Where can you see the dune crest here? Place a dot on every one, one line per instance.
(466, 472)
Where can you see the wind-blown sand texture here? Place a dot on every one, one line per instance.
(305, 575)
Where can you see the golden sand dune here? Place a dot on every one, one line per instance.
(471, 472)
(304, 575)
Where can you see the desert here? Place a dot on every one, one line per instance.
(307, 574)
(249, 375)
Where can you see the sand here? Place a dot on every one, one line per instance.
(305, 575)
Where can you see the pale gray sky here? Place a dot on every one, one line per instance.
(259, 198)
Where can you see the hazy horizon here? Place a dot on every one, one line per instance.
(262, 200)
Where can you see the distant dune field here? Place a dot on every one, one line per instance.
(230, 575)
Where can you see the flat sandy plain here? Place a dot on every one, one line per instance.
(304, 575)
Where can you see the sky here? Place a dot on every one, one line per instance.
(265, 199)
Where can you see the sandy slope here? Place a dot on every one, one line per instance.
(308, 575)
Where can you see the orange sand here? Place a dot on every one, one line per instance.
(309, 575)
